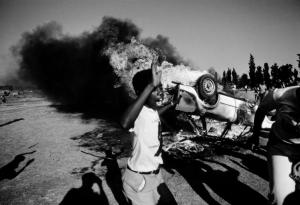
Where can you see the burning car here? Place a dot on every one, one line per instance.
(197, 90)
(203, 99)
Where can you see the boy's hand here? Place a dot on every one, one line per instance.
(156, 74)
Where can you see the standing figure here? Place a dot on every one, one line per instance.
(142, 180)
(284, 138)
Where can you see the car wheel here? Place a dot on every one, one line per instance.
(207, 89)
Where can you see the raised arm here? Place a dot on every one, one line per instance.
(133, 110)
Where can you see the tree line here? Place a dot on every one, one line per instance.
(274, 76)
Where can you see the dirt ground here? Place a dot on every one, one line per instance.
(58, 148)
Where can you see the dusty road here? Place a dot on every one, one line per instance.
(61, 147)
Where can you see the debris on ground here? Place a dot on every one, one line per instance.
(187, 145)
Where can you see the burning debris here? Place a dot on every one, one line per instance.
(128, 59)
(189, 145)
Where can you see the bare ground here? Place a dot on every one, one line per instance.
(62, 147)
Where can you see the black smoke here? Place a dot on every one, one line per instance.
(163, 44)
(73, 70)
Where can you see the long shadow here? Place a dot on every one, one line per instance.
(223, 183)
(113, 177)
(10, 122)
(193, 174)
(9, 170)
(166, 196)
(85, 194)
(251, 163)
(110, 135)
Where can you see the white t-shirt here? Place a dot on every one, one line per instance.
(145, 142)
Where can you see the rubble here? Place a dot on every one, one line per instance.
(189, 146)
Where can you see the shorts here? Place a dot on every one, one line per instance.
(281, 148)
(142, 188)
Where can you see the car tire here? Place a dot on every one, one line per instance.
(207, 89)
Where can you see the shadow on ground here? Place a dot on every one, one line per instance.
(106, 143)
(221, 178)
(108, 136)
(200, 172)
(10, 122)
(113, 176)
(85, 194)
(12, 170)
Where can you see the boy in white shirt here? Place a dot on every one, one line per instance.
(142, 179)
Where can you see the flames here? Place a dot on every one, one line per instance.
(128, 59)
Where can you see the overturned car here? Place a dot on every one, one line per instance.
(202, 98)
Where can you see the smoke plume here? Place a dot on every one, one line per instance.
(162, 43)
(78, 71)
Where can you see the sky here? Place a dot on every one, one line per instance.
(210, 33)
